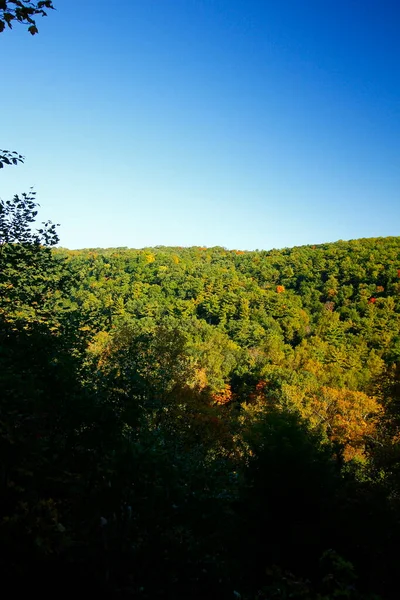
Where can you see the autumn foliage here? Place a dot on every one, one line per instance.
(223, 396)
(347, 417)
(178, 407)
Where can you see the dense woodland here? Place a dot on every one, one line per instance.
(198, 422)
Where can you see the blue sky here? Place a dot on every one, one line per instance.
(239, 123)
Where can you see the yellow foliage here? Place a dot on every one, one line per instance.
(200, 380)
(150, 258)
(250, 413)
(347, 417)
(99, 343)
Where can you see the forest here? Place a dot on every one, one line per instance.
(198, 422)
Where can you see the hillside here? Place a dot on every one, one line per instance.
(227, 418)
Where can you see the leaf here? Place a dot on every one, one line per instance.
(8, 17)
(33, 29)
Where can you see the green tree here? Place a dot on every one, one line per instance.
(16, 217)
(29, 273)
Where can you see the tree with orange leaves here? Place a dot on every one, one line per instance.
(223, 396)
(348, 417)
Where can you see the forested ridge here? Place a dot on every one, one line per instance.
(199, 422)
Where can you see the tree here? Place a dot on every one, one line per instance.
(290, 487)
(28, 270)
(16, 216)
(23, 11)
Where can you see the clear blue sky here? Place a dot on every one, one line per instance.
(240, 123)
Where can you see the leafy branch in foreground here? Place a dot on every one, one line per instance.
(16, 216)
(10, 157)
(22, 11)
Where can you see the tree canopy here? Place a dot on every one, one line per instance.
(230, 417)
